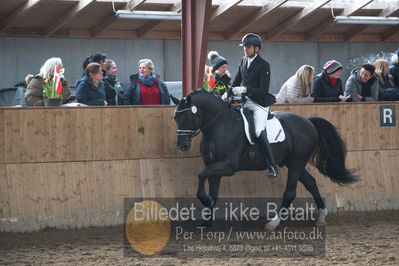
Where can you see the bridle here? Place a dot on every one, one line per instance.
(192, 133)
(189, 133)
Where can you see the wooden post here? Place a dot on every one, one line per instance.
(195, 24)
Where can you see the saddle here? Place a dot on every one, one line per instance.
(274, 129)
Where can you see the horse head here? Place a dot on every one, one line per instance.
(188, 120)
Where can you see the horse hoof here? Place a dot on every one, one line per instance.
(321, 219)
(272, 225)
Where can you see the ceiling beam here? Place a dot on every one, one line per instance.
(53, 27)
(106, 23)
(252, 18)
(224, 7)
(18, 13)
(359, 29)
(150, 26)
(314, 33)
(295, 19)
(132, 4)
(103, 25)
(389, 33)
(176, 35)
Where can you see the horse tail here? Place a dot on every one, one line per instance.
(329, 155)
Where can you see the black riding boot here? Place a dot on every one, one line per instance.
(272, 170)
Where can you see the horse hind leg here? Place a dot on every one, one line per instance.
(294, 170)
(309, 183)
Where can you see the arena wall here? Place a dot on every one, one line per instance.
(72, 167)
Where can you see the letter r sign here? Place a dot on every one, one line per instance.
(388, 115)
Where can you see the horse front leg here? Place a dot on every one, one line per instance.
(201, 194)
(213, 173)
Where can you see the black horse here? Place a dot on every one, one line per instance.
(224, 148)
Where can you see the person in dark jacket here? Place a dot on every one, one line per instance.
(327, 86)
(110, 92)
(362, 85)
(220, 73)
(146, 87)
(252, 80)
(394, 68)
(387, 91)
(111, 78)
(90, 88)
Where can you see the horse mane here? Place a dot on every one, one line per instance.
(209, 97)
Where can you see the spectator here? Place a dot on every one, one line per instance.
(394, 68)
(297, 88)
(327, 86)
(220, 82)
(110, 92)
(90, 88)
(95, 58)
(110, 77)
(362, 85)
(387, 91)
(34, 90)
(146, 87)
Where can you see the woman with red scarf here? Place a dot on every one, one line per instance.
(327, 86)
(146, 87)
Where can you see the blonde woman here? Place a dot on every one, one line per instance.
(394, 68)
(34, 90)
(387, 91)
(298, 87)
(146, 87)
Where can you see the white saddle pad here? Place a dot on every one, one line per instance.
(274, 129)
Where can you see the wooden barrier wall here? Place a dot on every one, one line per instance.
(72, 167)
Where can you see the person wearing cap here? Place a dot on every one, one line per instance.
(218, 77)
(252, 80)
(110, 92)
(394, 68)
(327, 86)
(362, 85)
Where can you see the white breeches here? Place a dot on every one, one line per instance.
(260, 114)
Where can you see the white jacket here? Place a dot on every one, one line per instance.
(291, 92)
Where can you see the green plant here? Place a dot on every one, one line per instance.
(52, 86)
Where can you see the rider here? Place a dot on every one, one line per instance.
(253, 80)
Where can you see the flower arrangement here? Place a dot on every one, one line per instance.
(52, 87)
(209, 80)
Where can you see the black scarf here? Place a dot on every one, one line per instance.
(366, 88)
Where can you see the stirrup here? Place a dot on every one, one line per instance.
(272, 171)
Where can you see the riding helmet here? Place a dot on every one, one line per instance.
(251, 39)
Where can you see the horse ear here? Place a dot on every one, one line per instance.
(188, 100)
(175, 100)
